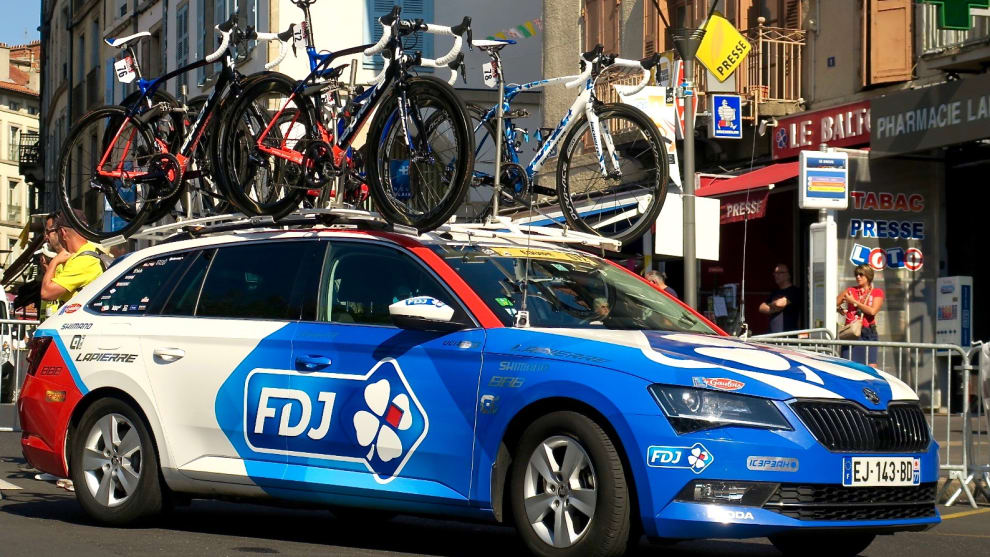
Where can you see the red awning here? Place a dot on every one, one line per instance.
(762, 177)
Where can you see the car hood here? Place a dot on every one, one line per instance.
(713, 362)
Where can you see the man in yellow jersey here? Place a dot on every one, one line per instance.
(80, 264)
(54, 246)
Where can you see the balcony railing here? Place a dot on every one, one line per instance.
(771, 73)
(936, 41)
(28, 149)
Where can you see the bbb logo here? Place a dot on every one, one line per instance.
(374, 419)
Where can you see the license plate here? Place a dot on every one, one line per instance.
(868, 471)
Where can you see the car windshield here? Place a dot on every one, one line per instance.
(565, 289)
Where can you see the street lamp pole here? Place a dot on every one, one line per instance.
(686, 41)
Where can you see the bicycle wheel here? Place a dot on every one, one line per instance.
(477, 204)
(424, 186)
(256, 182)
(623, 205)
(110, 169)
(207, 199)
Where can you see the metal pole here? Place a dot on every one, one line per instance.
(690, 257)
(500, 134)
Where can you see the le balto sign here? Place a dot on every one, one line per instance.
(930, 117)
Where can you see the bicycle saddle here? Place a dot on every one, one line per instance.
(493, 45)
(122, 42)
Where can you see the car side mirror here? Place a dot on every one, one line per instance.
(424, 313)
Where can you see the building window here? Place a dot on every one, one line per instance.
(14, 105)
(601, 24)
(122, 8)
(13, 143)
(182, 44)
(81, 74)
(95, 44)
(201, 39)
(32, 110)
(13, 201)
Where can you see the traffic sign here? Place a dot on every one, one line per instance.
(723, 48)
(679, 101)
(726, 117)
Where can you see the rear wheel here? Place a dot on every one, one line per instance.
(103, 142)
(812, 545)
(568, 488)
(626, 203)
(256, 182)
(423, 186)
(113, 464)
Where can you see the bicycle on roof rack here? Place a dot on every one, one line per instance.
(612, 172)
(419, 147)
(123, 166)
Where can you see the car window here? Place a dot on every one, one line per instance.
(565, 289)
(362, 280)
(262, 280)
(142, 287)
(186, 291)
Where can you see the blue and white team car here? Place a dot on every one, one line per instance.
(361, 368)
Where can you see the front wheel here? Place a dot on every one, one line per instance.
(623, 204)
(420, 158)
(113, 464)
(568, 489)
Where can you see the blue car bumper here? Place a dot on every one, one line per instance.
(791, 482)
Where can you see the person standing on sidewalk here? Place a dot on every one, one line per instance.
(783, 305)
(862, 301)
(76, 265)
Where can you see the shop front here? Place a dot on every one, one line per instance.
(936, 137)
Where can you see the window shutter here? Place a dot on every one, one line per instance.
(650, 21)
(424, 42)
(792, 14)
(610, 25)
(592, 23)
(890, 41)
(376, 9)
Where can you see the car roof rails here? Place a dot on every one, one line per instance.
(235, 222)
(503, 228)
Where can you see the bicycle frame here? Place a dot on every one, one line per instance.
(584, 103)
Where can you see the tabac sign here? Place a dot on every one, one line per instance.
(954, 14)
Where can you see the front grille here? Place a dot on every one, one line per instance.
(833, 502)
(848, 427)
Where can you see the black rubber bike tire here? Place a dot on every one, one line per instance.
(610, 530)
(222, 148)
(659, 190)
(134, 221)
(151, 491)
(443, 92)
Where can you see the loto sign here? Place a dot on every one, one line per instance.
(842, 126)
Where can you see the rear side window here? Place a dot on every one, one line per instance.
(271, 280)
(186, 292)
(141, 287)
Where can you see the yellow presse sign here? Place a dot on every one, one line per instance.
(723, 48)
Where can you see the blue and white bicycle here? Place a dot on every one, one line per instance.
(612, 170)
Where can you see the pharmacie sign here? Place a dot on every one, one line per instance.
(841, 126)
(930, 117)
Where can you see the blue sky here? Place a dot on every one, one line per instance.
(20, 16)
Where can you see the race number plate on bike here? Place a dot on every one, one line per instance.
(871, 471)
(124, 68)
(489, 74)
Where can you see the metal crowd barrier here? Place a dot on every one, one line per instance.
(939, 373)
(13, 357)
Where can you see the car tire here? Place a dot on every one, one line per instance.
(834, 545)
(593, 504)
(116, 482)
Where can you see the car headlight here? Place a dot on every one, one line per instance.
(690, 409)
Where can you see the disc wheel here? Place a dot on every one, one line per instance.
(624, 204)
(106, 171)
(419, 173)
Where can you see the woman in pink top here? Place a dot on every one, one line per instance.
(862, 300)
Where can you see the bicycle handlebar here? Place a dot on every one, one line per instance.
(636, 64)
(284, 38)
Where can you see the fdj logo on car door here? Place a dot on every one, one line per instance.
(374, 418)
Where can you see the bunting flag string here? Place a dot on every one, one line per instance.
(522, 31)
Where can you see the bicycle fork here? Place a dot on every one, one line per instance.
(599, 135)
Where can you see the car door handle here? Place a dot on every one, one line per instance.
(312, 362)
(169, 354)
